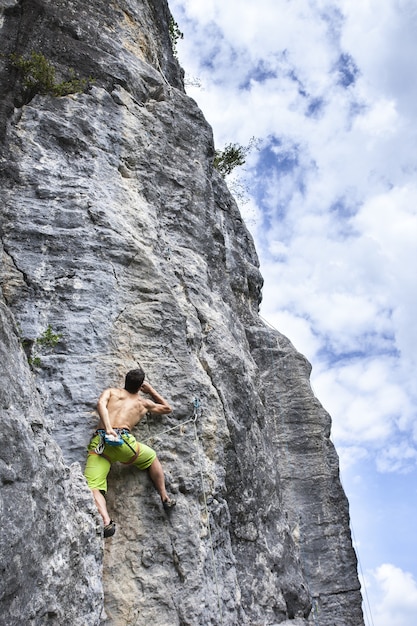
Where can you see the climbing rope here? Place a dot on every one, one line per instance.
(162, 74)
(367, 609)
(197, 413)
(314, 601)
(168, 430)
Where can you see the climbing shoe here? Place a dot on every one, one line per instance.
(110, 529)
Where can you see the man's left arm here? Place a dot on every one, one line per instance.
(158, 404)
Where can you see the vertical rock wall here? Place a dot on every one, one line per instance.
(50, 546)
(120, 240)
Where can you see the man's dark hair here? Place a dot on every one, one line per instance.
(134, 380)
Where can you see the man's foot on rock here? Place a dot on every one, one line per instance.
(168, 504)
(110, 529)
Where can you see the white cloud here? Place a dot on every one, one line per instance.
(379, 121)
(350, 456)
(382, 38)
(297, 328)
(391, 221)
(364, 402)
(393, 596)
(401, 457)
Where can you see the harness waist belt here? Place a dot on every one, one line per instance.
(119, 431)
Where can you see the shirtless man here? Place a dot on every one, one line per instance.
(120, 410)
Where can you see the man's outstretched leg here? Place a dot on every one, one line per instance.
(100, 500)
(156, 474)
(96, 470)
(101, 504)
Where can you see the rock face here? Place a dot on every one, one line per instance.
(122, 246)
(50, 549)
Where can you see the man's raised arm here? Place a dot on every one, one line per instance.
(159, 404)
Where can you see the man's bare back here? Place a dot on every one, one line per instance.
(119, 408)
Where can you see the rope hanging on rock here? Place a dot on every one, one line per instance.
(197, 413)
(168, 430)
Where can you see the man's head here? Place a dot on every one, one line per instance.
(134, 380)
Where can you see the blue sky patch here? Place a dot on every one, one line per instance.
(259, 73)
(273, 156)
(344, 209)
(315, 107)
(347, 70)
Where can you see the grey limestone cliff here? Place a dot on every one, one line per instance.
(121, 246)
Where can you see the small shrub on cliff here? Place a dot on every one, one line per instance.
(175, 34)
(226, 160)
(44, 344)
(38, 76)
(49, 339)
(233, 155)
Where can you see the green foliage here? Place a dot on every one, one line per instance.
(226, 160)
(45, 343)
(233, 155)
(34, 361)
(48, 338)
(73, 85)
(175, 34)
(38, 76)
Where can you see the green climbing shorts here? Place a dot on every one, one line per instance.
(98, 465)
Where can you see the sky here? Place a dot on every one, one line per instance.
(329, 192)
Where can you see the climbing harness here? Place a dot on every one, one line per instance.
(111, 440)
